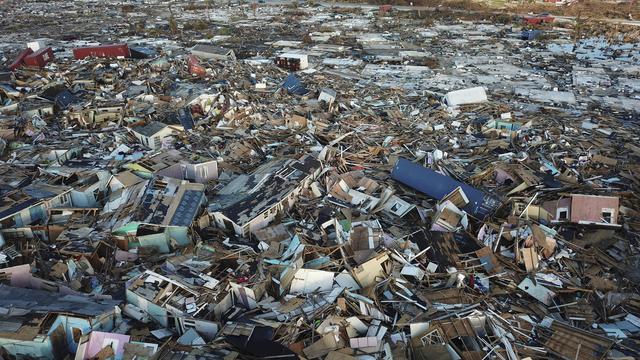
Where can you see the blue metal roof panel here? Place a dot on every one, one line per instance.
(437, 186)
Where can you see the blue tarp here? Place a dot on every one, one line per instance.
(294, 86)
(530, 34)
(438, 186)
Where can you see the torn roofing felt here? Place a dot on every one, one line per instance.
(44, 301)
(437, 186)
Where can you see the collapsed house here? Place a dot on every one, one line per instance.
(152, 133)
(43, 325)
(172, 303)
(212, 52)
(30, 205)
(250, 202)
(156, 213)
(99, 344)
(585, 209)
(88, 185)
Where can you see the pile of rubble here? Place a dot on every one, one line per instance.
(383, 186)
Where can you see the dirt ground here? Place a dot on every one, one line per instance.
(591, 15)
(587, 8)
(584, 8)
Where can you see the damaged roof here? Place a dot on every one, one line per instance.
(42, 301)
(248, 196)
(149, 129)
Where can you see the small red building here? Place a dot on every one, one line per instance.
(585, 209)
(40, 58)
(538, 19)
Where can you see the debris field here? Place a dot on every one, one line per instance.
(274, 180)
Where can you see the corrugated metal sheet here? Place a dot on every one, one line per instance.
(574, 343)
(194, 66)
(105, 51)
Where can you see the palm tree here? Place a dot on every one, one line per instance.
(208, 3)
(173, 25)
